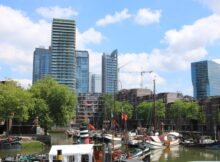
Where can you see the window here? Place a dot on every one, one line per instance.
(85, 158)
(71, 159)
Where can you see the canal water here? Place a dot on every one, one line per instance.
(174, 154)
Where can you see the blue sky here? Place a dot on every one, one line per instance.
(163, 36)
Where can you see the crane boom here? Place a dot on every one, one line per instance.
(141, 74)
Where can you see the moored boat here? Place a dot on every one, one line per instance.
(11, 143)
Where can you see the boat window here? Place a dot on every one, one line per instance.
(71, 159)
(85, 158)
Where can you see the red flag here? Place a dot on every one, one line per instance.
(91, 127)
(114, 122)
(124, 116)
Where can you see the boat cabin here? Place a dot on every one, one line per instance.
(72, 153)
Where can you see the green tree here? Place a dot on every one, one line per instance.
(108, 106)
(186, 111)
(127, 108)
(123, 106)
(14, 102)
(177, 112)
(57, 101)
(40, 111)
(192, 110)
(145, 110)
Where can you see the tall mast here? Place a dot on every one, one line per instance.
(154, 107)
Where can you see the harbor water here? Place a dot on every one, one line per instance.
(173, 154)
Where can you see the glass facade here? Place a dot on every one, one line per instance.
(110, 72)
(63, 56)
(96, 83)
(82, 72)
(41, 64)
(205, 79)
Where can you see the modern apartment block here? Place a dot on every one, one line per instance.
(90, 106)
(110, 72)
(82, 72)
(205, 79)
(41, 63)
(63, 56)
(96, 83)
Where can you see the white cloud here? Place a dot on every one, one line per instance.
(87, 37)
(18, 38)
(18, 41)
(130, 73)
(216, 60)
(146, 16)
(214, 5)
(95, 61)
(117, 17)
(56, 12)
(183, 47)
(189, 43)
(26, 83)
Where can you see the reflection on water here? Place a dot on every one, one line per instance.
(56, 138)
(183, 154)
(60, 139)
(173, 154)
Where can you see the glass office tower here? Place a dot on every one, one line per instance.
(41, 63)
(96, 83)
(110, 72)
(63, 56)
(82, 72)
(205, 79)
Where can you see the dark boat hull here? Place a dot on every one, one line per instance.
(14, 144)
(214, 145)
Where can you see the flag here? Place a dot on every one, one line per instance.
(124, 116)
(115, 123)
(91, 127)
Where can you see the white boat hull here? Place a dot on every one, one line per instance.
(154, 145)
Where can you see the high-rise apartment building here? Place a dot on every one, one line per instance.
(82, 72)
(96, 82)
(110, 72)
(41, 63)
(205, 79)
(63, 56)
(90, 82)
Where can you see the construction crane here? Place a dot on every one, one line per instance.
(119, 68)
(141, 74)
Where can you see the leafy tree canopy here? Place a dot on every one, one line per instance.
(57, 100)
(14, 101)
(187, 110)
(145, 109)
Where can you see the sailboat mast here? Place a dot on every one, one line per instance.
(154, 107)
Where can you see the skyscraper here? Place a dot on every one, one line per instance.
(110, 72)
(82, 72)
(41, 63)
(63, 56)
(205, 79)
(96, 86)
